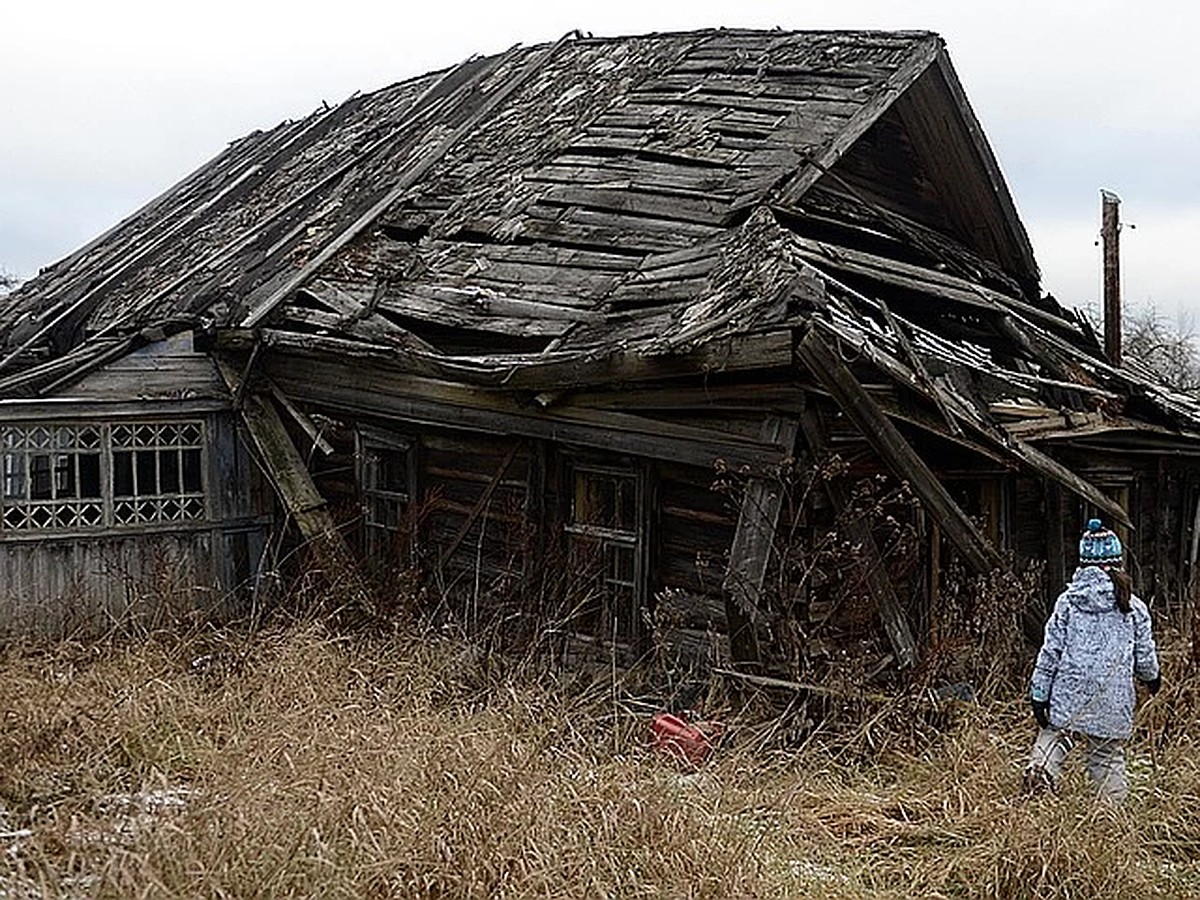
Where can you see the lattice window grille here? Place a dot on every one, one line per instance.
(78, 477)
(157, 472)
(52, 476)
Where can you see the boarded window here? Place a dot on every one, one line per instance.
(606, 544)
(62, 477)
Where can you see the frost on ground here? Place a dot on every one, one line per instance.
(120, 820)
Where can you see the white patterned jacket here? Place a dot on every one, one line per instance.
(1090, 655)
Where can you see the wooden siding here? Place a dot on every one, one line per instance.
(87, 582)
(70, 586)
(169, 369)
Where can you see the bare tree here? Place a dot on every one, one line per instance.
(1167, 349)
(8, 281)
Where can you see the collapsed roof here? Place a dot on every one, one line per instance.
(597, 210)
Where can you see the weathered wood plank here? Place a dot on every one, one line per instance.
(551, 371)
(874, 569)
(750, 552)
(71, 409)
(663, 206)
(425, 401)
(290, 477)
(829, 370)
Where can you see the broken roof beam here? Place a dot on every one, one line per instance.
(376, 391)
(907, 276)
(1008, 446)
(581, 367)
(829, 370)
(872, 564)
(293, 484)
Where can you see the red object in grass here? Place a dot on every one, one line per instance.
(686, 743)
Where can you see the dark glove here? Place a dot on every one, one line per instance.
(1041, 712)
(1154, 684)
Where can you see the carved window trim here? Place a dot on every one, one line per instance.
(58, 477)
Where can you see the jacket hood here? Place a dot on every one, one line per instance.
(1091, 590)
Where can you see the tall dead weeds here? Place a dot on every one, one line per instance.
(305, 761)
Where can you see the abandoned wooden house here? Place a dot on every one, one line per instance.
(563, 332)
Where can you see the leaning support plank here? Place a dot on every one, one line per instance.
(751, 549)
(833, 374)
(874, 570)
(294, 485)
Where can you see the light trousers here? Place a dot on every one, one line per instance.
(1104, 757)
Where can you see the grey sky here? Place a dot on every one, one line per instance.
(106, 104)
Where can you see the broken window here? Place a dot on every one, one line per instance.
(386, 477)
(606, 547)
(157, 475)
(52, 477)
(72, 477)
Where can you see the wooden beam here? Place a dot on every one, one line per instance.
(750, 552)
(585, 366)
(833, 374)
(766, 681)
(309, 427)
(919, 367)
(334, 385)
(874, 570)
(1011, 446)
(296, 490)
(1085, 490)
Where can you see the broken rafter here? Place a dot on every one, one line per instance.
(833, 374)
(874, 569)
(290, 478)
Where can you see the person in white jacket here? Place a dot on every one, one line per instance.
(1098, 639)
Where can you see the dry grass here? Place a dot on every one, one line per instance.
(301, 763)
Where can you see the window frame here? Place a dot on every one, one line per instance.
(179, 509)
(380, 538)
(605, 538)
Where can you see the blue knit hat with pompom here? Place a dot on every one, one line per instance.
(1099, 546)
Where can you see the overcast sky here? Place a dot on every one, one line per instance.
(105, 104)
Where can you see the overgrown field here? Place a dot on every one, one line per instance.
(297, 762)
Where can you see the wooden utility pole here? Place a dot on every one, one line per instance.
(1110, 236)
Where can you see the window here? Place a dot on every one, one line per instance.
(156, 473)
(387, 480)
(52, 477)
(606, 549)
(77, 477)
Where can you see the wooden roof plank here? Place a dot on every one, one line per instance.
(828, 369)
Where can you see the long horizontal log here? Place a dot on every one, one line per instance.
(332, 385)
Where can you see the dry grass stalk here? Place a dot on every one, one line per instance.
(300, 762)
